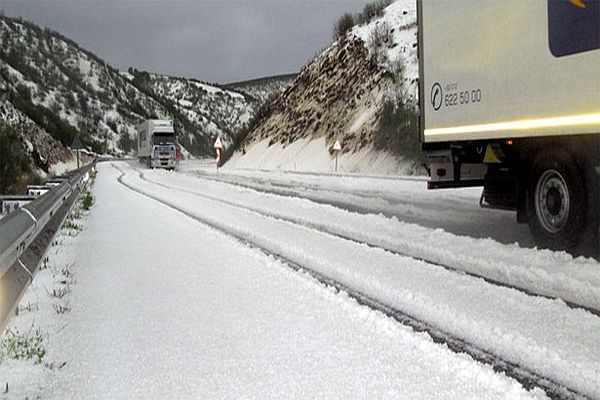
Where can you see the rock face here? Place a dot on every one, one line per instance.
(361, 91)
(334, 96)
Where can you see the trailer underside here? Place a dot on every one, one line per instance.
(552, 183)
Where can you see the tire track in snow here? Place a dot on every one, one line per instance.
(321, 228)
(526, 377)
(283, 189)
(426, 214)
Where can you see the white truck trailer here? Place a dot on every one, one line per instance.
(157, 144)
(510, 100)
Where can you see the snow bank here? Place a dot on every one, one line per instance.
(312, 155)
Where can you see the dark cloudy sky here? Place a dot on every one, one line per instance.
(216, 41)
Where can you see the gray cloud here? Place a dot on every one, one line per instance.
(216, 41)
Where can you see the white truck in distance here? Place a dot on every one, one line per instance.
(510, 100)
(157, 144)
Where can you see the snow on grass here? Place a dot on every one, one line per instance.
(215, 90)
(362, 116)
(126, 75)
(113, 115)
(87, 70)
(185, 103)
(18, 76)
(30, 356)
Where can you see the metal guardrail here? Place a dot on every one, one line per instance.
(26, 234)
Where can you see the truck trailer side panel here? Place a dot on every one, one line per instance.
(509, 69)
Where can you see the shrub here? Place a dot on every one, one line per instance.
(87, 201)
(44, 117)
(372, 10)
(380, 36)
(62, 308)
(125, 142)
(23, 346)
(112, 124)
(70, 99)
(395, 69)
(399, 131)
(60, 292)
(343, 25)
(15, 169)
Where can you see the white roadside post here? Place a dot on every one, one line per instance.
(218, 147)
(337, 147)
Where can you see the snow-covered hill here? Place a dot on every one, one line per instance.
(362, 91)
(53, 89)
(66, 90)
(208, 109)
(46, 73)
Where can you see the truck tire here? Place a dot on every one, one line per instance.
(556, 201)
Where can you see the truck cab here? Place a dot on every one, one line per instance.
(157, 144)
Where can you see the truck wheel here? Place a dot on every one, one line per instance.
(556, 201)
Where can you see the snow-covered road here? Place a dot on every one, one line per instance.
(165, 305)
(547, 273)
(456, 211)
(542, 335)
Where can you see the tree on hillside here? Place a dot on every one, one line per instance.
(343, 25)
(14, 165)
(125, 142)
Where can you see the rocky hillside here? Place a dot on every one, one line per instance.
(361, 91)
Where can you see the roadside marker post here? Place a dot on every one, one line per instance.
(337, 147)
(218, 147)
(76, 145)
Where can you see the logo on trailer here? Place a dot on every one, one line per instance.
(436, 96)
(573, 26)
